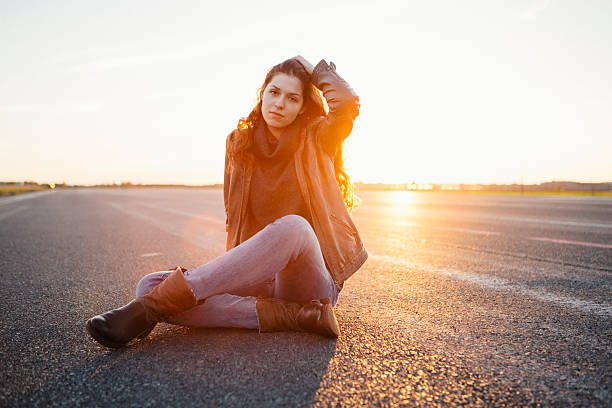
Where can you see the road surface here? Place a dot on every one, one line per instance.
(484, 300)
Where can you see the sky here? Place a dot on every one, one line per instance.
(451, 92)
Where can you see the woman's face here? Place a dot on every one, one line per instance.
(281, 102)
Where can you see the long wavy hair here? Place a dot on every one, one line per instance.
(240, 149)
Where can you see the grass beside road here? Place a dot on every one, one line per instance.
(533, 193)
(599, 193)
(11, 190)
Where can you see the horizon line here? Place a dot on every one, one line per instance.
(412, 183)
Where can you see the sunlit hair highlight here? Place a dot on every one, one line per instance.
(240, 148)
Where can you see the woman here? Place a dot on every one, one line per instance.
(291, 242)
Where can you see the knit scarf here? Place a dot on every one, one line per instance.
(268, 149)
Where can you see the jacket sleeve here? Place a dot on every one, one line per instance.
(343, 105)
(226, 181)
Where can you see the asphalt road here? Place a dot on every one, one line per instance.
(481, 300)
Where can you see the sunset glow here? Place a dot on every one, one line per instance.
(450, 92)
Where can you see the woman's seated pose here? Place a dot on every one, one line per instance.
(291, 242)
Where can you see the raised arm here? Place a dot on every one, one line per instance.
(343, 105)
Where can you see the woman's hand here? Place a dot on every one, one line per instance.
(307, 65)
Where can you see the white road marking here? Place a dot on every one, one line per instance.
(11, 212)
(470, 231)
(541, 221)
(173, 229)
(491, 282)
(489, 233)
(563, 241)
(24, 196)
(435, 214)
(186, 214)
(147, 255)
(499, 284)
(143, 217)
(136, 193)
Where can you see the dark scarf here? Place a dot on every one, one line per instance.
(270, 150)
(274, 190)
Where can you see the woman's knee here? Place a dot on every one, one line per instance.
(294, 224)
(148, 282)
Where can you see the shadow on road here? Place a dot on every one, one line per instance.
(203, 367)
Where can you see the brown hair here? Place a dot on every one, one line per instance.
(239, 150)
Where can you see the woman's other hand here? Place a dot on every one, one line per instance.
(307, 65)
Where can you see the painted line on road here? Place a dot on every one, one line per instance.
(172, 229)
(186, 214)
(523, 255)
(436, 214)
(24, 196)
(563, 241)
(541, 221)
(503, 285)
(147, 255)
(466, 230)
(12, 212)
(495, 233)
(143, 217)
(470, 231)
(118, 191)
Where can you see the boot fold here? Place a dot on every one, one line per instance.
(319, 317)
(314, 317)
(276, 315)
(171, 297)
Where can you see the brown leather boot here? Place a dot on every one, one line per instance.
(118, 327)
(279, 315)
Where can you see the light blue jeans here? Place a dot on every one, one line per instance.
(283, 260)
